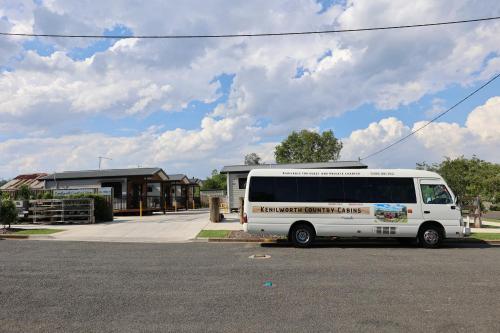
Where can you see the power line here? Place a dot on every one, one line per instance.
(433, 119)
(267, 34)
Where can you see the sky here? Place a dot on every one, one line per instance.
(190, 106)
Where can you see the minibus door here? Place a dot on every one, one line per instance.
(437, 202)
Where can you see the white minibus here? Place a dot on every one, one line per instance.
(305, 203)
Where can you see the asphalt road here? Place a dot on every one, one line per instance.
(114, 287)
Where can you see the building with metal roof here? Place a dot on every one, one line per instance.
(133, 188)
(237, 175)
(149, 189)
(34, 181)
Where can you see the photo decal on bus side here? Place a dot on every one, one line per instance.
(312, 210)
(395, 213)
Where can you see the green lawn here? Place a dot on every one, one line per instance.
(491, 219)
(485, 236)
(37, 231)
(214, 233)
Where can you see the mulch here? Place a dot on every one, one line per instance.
(246, 236)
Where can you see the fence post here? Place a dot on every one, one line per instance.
(241, 209)
(214, 209)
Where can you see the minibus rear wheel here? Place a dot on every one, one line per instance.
(302, 235)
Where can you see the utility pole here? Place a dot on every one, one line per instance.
(103, 158)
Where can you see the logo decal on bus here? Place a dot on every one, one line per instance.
(312, 210)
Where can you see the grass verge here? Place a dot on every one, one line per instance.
(37, 231)
(214, 233)
(485, 236)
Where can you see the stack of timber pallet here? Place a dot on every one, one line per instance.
(62, 211)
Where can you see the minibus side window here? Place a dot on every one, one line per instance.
(331, 189)
(356, 190)
(403, 190)
(308, 189)
(261, 189)
(435, 194)
(285, 189)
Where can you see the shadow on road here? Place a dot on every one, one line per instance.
(351, 243)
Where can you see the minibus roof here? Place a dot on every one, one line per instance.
(407, 173)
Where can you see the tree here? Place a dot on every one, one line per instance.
(8, 212)
(24, 192)
(469, 177)
(252, 159)
(216, 182)
(307, 146)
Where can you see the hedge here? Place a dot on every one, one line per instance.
(103, 210)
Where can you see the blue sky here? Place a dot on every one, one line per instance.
(196, 105)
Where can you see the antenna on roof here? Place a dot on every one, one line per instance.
(102, 158)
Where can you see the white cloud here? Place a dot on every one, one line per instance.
(191, 151)
(479, 136)
(227, 141)
(485, 121)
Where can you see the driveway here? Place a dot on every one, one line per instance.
(171, 227)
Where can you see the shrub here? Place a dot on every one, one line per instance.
(495, 207)
(8, 212)
(103, 211)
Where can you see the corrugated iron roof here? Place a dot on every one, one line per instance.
(106, 173)
(321, 165)
(33, 181)
(179, 177)
(195, 181)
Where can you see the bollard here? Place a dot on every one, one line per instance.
(214, 209)
(241, 209)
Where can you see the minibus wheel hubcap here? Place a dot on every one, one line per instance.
(431, 236)
(302, 236)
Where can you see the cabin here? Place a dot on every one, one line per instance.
(133, 189)
(237, 175)
(177, 197)
(194, 193)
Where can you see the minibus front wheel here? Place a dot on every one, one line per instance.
(431, 235)
(302, 234)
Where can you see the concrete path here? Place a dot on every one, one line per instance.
(231, 222)
(168, 228)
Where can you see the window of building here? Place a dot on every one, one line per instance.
(242, 183)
